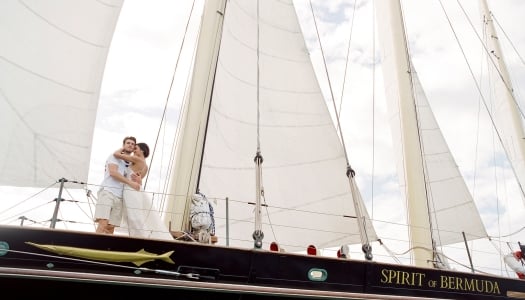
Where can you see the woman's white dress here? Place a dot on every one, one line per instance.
(140, 218)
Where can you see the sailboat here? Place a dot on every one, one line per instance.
(257, 138)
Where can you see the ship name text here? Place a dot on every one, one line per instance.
(454, 283)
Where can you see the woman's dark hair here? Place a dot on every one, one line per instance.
(145, 149)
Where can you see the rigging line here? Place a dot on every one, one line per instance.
(508, 38)
(412, 77)
(76, 202)
(359, 215)
(25, 200)
(479, 88)
(338, 113)
(507, 267)
(266, 207)
(496, 185)
(431, 250)
(258, 74)
(260, 195)
(171, 161)
(390, 252)
(350, 173)
(464, 265)
(91, 204)
(258, 160)
(169, 90)
(478, 134)
(373, 108)
(505, 83)
(329, 84)
(512, 233)
(35, 208)
(518, 92)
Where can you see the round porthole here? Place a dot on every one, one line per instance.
(4, 248)
(317, 274)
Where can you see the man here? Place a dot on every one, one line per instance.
(108, 211)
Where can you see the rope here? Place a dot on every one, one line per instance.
(169, 90)
(329, 85)
(508, 38)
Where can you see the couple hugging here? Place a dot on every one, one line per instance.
(120, 202)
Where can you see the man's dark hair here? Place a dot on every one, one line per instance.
(129, 138)
(145, 149)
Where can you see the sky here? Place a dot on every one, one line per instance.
(143, 57)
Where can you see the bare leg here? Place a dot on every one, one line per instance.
(101, 225)
(105, 227)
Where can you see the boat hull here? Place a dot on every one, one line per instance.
(107, 264)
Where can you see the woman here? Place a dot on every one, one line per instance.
(141, 221)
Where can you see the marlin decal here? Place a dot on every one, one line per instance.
(138, 258)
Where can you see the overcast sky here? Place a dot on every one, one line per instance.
(143, 56)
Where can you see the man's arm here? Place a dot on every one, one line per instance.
(113, 172)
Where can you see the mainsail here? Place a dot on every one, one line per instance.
(265, 91)
(51, 63)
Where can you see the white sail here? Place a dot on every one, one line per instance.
(264, 71)
(504, 108)
(52, 59)
(440, 206)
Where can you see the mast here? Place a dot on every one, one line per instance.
(258, 233)
(506, 112)
(441, 210)
(190, 142)
(397, 60)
